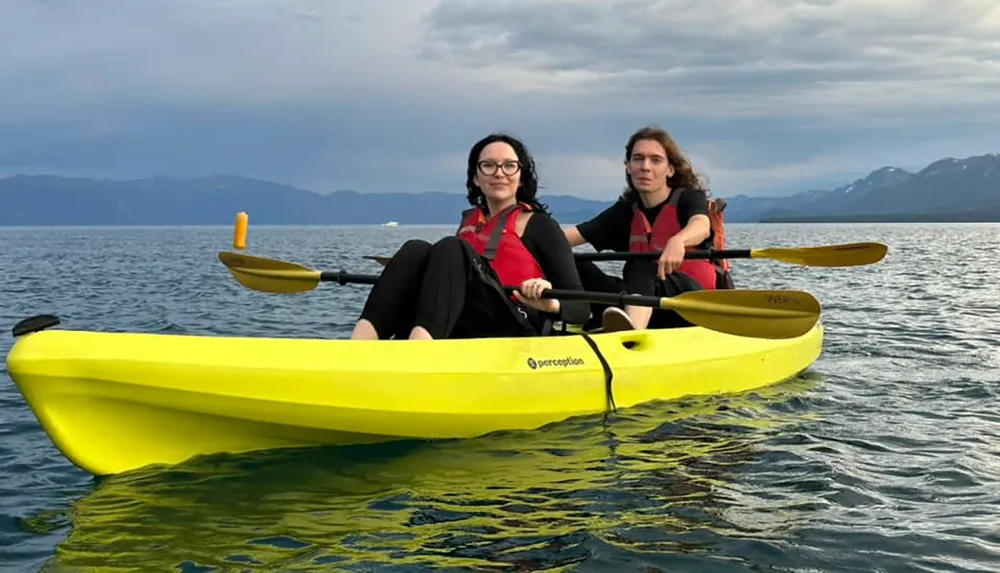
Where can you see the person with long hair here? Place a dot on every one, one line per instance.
(453, 288)
(664, 208)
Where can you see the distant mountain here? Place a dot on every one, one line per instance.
(51, 200)
(947, 190)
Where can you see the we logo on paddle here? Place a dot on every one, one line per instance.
(782, 299)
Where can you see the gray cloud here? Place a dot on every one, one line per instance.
(750, 57)
(388, 95)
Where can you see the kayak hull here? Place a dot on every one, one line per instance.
(115, 402)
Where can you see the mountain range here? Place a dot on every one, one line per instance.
(946, 190)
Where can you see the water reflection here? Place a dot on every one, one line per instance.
(661, 478)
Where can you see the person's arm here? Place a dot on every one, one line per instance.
(545, 239)
(573, 236)
(605, 230)
(693, 207)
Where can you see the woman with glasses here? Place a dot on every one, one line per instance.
(453, 288)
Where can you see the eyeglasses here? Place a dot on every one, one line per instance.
(489, 167)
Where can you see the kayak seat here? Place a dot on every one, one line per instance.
(563, 329)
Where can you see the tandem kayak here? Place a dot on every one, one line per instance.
(113, 402)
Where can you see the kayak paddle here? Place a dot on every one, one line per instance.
(845, 255)
(742, 312)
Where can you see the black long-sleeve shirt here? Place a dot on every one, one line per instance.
(546, 241)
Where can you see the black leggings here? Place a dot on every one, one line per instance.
(639, 277)
(442, 288)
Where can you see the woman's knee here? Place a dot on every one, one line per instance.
(450, 247)
(414, 248)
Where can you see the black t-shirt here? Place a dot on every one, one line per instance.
(546, 241)
(610, 229)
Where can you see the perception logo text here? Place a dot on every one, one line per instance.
(559, 362)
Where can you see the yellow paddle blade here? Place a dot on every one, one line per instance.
(752, 313)
(846, 255)
(269, 275)
(379, 259)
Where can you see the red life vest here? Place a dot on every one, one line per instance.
(643, 239)
(496, 240)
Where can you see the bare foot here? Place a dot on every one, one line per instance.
(420, 333)
(640, 316)
(364, 330)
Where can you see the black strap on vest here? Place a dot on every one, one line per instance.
(673, 199)
(494, 242)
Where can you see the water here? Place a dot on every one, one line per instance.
(881, 458)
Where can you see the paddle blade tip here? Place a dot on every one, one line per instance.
(844, 255)
(878, 251)
(269, 275)
(856, 254)
(770, 314)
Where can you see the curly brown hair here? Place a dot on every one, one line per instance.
(684, 175)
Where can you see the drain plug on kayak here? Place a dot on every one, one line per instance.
(34, 324)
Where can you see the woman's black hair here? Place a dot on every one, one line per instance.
(528, 189)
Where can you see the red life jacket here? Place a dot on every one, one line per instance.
(643, 239)
(497, 241)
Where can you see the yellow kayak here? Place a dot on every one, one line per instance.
(114, 402)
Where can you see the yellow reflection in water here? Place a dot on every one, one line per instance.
(642, 482)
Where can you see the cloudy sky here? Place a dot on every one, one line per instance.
(767, 96)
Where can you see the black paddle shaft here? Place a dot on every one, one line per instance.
(343, 277)
(711, 254)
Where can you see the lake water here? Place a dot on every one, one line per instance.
(885, 456)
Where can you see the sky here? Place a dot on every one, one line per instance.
(767, 97)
